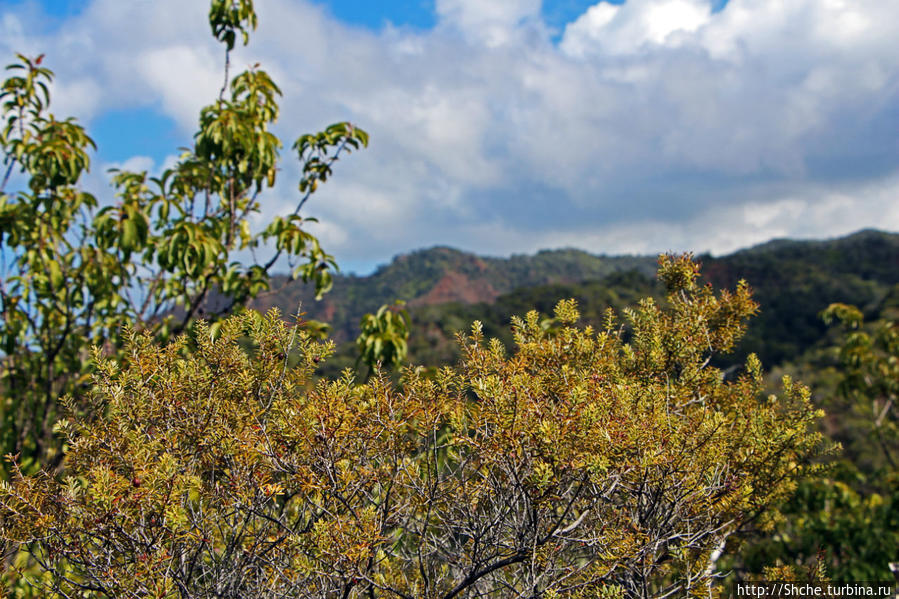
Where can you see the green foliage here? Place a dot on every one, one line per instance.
(384, 337)
(75, 272)
(795, 281)
(447, 289)
(871, 383)
(228, 17)
(848, 519)
(585, 463)
(427, 278)
(436, 326)
(851, 516)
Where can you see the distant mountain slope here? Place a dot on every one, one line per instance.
(794, 280)
(446, 289)
(440, 275)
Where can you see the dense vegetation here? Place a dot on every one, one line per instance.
(793, 281)
(623, 442)
(580, 464)
(443, 275)
(75, 272)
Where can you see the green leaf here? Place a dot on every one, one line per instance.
(55, 273)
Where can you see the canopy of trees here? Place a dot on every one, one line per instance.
(75, 272)
(584, 460)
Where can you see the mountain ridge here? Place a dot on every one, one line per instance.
(440, 275)
(446, 289)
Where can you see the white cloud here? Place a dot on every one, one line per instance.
(183, 89)
(653, 125)
(136, 164)
(800, 212)
(490, 23)
(628, 28)
(12, 34)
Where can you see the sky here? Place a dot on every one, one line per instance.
(510, 126)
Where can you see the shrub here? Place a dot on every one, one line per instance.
(614, 463)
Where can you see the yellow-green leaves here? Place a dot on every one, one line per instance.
(320, 151)
(384, 336)
(47, 283)
(566, 312)
(228, 17)
(160, 255)
(288, 234)
(52, 152)
(870, 356)
(850, 316)
(617, 460)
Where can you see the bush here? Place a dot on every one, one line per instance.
(617, 460)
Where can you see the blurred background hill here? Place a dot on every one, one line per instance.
(446, 289)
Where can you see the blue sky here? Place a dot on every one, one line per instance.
(421, 13)
(638, 126)
(373, 15)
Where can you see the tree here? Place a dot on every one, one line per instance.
(871, 375)
(870, 501)
(852, 514)
(74, 272)
(587, 463)
(383, 338)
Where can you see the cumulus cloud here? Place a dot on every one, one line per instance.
(628, 28)
(652, 125)
(796, 211)
(184, 90)
(490, 23)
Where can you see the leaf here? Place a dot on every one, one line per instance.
(55, 273)
(130, 234)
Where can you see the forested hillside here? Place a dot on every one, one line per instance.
(447, 289)
(794, 281)
(442, 275)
